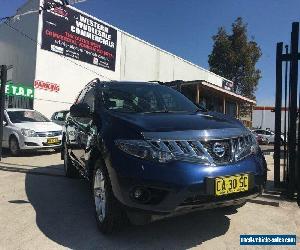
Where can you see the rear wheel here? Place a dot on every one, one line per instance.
(14, 146)
(109, 212)
(70, 169)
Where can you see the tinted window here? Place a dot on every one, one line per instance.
(80, 96)
(89, 98)
(60, 116)
(26, 116)
(145, 98)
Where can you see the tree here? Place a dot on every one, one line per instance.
(234, 57)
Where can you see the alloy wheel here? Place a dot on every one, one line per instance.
(100, 195)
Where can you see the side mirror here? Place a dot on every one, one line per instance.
(80, 110)
(4, 123)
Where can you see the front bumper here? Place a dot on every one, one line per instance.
(32, 143)
(178, 186)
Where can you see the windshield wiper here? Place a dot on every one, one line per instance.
(201, 110)
(156, 111)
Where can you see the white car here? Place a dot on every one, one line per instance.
(268, 135)
(26, 129)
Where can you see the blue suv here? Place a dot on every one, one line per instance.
(148, 152)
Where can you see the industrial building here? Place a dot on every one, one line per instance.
(54, 53)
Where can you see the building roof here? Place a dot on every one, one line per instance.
(213, 87)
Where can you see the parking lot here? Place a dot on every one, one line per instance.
(42, 209)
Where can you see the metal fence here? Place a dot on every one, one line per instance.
(286, 157)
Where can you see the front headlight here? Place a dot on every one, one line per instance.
(28, 132)
(158, 151)
(245, 146)
(144, 150)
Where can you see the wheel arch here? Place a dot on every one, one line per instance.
(95, 158)
(13, 134)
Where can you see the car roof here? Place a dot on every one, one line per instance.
(120, 83)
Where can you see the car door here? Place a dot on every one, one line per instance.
(83, 128)
(88, 129)
(72, 130)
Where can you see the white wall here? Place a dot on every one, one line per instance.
(141, 61)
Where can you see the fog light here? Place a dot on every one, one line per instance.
(140, 194)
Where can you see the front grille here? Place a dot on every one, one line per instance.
(226, 157)
(49, 134)
(31, 144)
(216, 151)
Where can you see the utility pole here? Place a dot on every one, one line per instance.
(2, 103)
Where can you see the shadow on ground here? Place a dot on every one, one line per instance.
(64, 213)
(28, 153)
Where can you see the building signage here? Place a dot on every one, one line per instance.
(48, 86)
(12, 89)
(78, 36)
(228, 86)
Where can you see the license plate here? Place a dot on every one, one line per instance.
(52, 141)
(231, 184)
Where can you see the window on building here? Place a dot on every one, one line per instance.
(231, 109)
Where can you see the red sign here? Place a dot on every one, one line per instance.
(48, 86)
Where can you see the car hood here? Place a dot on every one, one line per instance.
(39, 126)
(167, 122)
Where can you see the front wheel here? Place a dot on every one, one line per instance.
(109, 212)
(14, 146)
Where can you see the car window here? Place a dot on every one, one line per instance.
(23, 116)
(60, 116)
(80, 96)
(89, 98)
(53, 117)
(145, 99)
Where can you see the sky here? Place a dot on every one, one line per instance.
(185, 27)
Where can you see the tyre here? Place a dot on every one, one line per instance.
(14, 147)
(70, 169)
(57, 150)
(109, 213)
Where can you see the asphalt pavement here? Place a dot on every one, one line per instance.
(42, 209)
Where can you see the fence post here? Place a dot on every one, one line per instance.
(293, 109)
(278, 103)
(2, 103)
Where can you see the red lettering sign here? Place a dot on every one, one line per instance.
(52, 87)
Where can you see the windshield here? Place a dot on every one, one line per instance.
(143, 98)
(26, 116)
